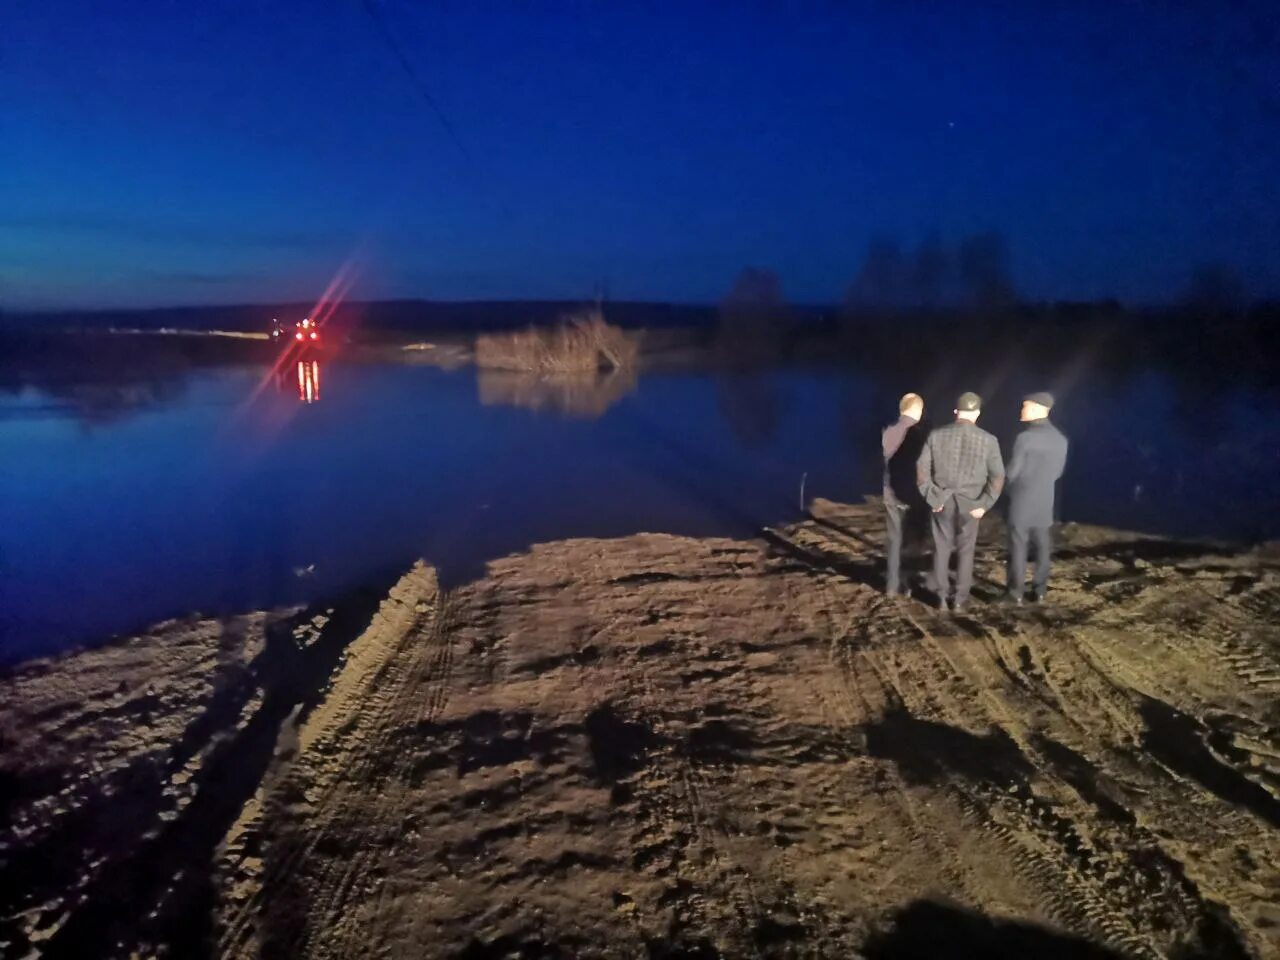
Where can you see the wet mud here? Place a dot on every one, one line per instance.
(660, 746)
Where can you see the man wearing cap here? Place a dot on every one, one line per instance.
(1039, 457)
(901, 442)
(960, 475)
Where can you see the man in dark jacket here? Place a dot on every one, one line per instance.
(960, 475)
(1039, 457)
(900, 442)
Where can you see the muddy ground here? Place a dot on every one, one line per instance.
(669, 747)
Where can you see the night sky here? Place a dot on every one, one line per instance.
(190, 153)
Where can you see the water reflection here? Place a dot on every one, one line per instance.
(304, 377)
(97, 393)
(308, 380)
(748, 401)
(584, 395)
(194, 508)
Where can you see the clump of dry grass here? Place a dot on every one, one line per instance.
(584, 342)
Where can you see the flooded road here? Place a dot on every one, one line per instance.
(129, 498)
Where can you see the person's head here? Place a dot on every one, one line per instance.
(1036, 406)
(911, 405)
(968, 407)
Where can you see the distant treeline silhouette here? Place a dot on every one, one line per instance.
(976, 272)
(1211, 332)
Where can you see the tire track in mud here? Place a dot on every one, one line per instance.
(1165, 895)
(692, 783)
(157, 898)
(1231, 626)
(811, 756)
(332, 748)
(1144, 688)
(1255, 663)
(1068, 871)
(1061, 890)
(494, 655)
(435, 679)
(844, 690)
(852, 696)
(685, 804)
(71, 832)
(430, 671)
(1162, 879)
(1161, 792)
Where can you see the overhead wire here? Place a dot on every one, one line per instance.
(416, 81)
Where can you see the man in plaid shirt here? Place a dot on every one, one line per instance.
(960, 474)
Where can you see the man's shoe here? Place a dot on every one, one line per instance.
(942, 604)
(1040, 595)
(959, 606)
(1012, 599)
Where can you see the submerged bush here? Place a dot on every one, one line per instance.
(584, 342)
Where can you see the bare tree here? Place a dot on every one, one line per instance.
(882, 278)
(984, 270)
(929, 271)
(752, 317)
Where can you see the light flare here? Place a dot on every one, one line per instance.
(334, 294)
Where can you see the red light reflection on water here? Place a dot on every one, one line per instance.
(308, 381)
(334, 294)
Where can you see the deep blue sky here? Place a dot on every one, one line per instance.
(215, 152)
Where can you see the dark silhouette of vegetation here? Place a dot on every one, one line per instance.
(984, 271)
(889, 281)
(881, 281)
(892, 279)
(930, 271)
(752, 320)
(1215, 291)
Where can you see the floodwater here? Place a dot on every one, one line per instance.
(223, 489)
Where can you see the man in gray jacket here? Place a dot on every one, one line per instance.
(960, 475)
(1039, 457)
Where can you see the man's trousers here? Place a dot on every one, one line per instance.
(1019, 537)
(954, 531)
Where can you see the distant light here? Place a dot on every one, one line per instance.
(306, 322)
(313, 334)
(298, 334)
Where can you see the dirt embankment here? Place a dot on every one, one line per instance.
(661, 746)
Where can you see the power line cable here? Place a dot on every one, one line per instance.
(419, 86)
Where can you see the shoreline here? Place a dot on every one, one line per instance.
(707, 744)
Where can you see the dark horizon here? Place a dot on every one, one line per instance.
(1153, 306)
